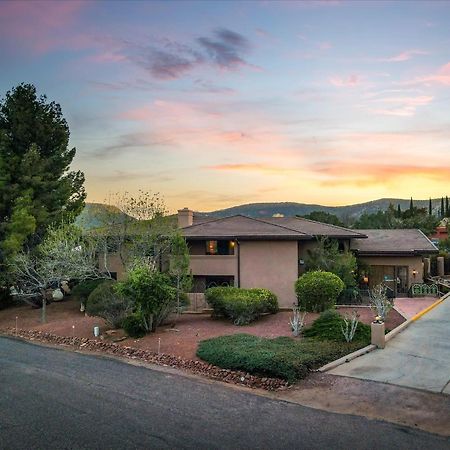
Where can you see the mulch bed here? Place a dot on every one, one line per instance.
(110, 348)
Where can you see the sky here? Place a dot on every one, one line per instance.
(214, 104)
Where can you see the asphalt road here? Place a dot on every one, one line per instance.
(51, 398)
(418, 357)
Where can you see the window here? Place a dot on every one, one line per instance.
(220, 247)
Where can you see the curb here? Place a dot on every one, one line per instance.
(429, 308)
(388, 337)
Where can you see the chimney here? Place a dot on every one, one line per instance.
(185, 217)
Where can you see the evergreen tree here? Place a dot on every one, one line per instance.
(442, 208)
(35, 182)
(430, 208)
(411, 205)
(399, 210)
(447, 212)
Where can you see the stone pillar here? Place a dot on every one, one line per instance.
(440, 266)
(377, 334)
(426, 268)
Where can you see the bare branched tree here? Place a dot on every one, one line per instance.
(64, 254)
(379, 301)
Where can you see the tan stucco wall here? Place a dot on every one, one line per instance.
(272, 265)
(214, 265)
(413, 263)
(114, 264)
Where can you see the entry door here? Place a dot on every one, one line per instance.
(402, 279)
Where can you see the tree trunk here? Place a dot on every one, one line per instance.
(44, 307)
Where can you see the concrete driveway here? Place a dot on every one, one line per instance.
(418, 357)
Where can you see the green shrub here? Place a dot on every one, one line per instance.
(105, 302)
(84, 288)
(241, 306)
(151, 292)
(134, 326)
(317, 290)
(282, 357)
(328, 327)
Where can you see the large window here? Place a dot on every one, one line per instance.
(220, 247)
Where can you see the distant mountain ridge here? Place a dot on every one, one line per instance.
(348, 212)
(95, 214)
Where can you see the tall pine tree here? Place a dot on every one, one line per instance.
(430, 208)
(442, 208)
(36, 184)
(411, 205)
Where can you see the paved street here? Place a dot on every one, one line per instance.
(55, 399)
(418, 357)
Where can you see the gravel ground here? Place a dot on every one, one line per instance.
(180, 338)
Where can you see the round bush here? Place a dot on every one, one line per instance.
(108, 304)
(84, 288)
(133, 326)
(317, 290)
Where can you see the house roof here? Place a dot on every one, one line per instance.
(240, 226)
(314, 228)
(393, 242)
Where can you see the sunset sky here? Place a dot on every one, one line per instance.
(214, 104)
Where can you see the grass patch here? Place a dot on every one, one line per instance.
(282, 357)
(328, 327)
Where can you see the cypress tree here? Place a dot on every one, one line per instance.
(447, 212)
(399, 210)
(411, 206)
(430, 208)
(442, 208)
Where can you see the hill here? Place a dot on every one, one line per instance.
(97, 215)
(345, 213)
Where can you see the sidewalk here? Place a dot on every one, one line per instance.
(418, 357)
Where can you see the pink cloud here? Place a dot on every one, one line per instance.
(442, 76)
(352, 80)
(42, 25)
(402, 106)
(403, 56)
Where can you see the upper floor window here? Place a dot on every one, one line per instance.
(220, 247)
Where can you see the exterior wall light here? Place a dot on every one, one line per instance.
(414, 272)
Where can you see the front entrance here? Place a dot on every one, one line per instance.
(394, 277)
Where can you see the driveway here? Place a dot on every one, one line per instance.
(55, 399)
(418, 357)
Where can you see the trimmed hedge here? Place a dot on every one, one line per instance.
(84, 288)
(282, 357)
(328, 327)
(318, 291)
(241, 306)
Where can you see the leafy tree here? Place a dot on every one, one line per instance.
(179, 266)
(324, 217)
(35, 182)
(327, 257)
(140, 233)
(152, 294)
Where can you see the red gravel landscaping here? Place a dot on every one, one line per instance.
(180, 338)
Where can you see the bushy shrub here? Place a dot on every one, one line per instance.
(84, 288)
(133, 326)
(328, 327)
(241, 306)
(282, 357)
(151, 292)
(318, 291)
(108, 304)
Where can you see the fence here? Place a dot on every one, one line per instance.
(422, 290)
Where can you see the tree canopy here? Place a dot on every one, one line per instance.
(36, 185)
(324, 217)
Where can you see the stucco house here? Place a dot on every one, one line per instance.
(248, 252)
